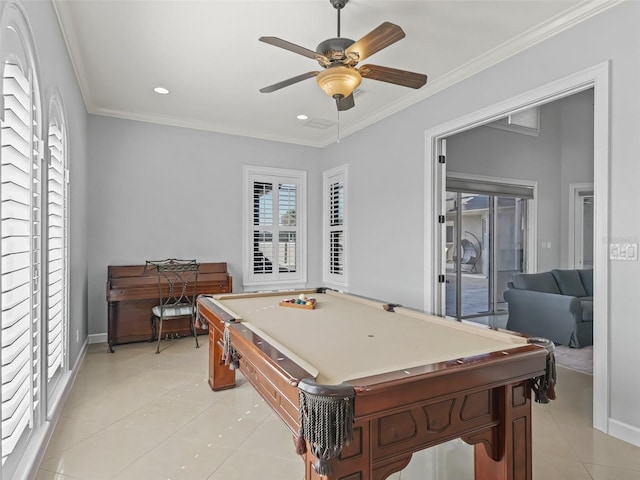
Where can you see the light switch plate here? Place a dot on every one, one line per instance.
(623, 251)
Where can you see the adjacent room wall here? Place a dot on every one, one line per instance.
(499, 153)
(576, 157)
(561, 154)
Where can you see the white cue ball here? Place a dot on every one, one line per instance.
(302, 296)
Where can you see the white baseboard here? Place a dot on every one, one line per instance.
(98, 338)
(625, 432)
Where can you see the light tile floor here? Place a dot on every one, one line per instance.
(135, 415)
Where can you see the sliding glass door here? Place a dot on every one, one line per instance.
(510, 239)
(467, 272)
(486, 245)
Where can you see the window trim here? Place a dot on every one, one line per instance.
(18, 48)
(56, 113)
(251, 172)
(329, 177)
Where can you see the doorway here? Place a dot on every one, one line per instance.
(581, 229)
(597, 78)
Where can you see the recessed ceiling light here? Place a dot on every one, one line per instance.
(302, 116)
(161, 90)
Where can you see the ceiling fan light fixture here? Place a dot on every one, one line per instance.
(339, 81)
(339, 57)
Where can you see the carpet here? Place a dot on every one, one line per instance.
(578, 359)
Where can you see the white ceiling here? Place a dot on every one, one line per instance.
(208, 55)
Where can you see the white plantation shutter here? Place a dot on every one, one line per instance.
(263, 227)
(274, 250)
(287, 227)
(336, 223)
(334, 184)
(57, 250)
(20, 251)
(276, 226)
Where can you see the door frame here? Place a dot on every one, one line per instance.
(574, 190)
(596, 77)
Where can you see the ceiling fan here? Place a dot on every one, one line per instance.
(339, 57)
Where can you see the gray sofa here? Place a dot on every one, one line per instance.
(557, 305)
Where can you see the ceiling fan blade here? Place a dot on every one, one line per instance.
(377, 39)
(287, 82)
(292, 47)
(393, 75)
(345, 103)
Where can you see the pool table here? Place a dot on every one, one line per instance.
(363, 384)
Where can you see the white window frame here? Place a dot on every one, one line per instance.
(57, 117)
(16, 48)
(329, 178)
(275, 280)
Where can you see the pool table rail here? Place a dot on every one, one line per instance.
(272, 374)
(279, 387)
(520, 361)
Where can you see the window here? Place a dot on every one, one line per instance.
(275, 224)
(525, 121)
(335, 226)
(20, 226)
(57, 246)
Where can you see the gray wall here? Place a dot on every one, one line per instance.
(160, 192)
(391, 153)
(561, 154)
(385, 210)
(576, 157)
(57, 72)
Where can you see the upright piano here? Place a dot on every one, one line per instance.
(132, 291)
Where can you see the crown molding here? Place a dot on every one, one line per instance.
(205, 126)
(561, 22)
(527, 39)
(72, 52)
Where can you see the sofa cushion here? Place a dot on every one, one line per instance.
(587, 280)
(539, 282)
(569, 283)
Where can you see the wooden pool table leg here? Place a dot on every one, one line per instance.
(355, 461)
(512, 438)
(221, 376)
